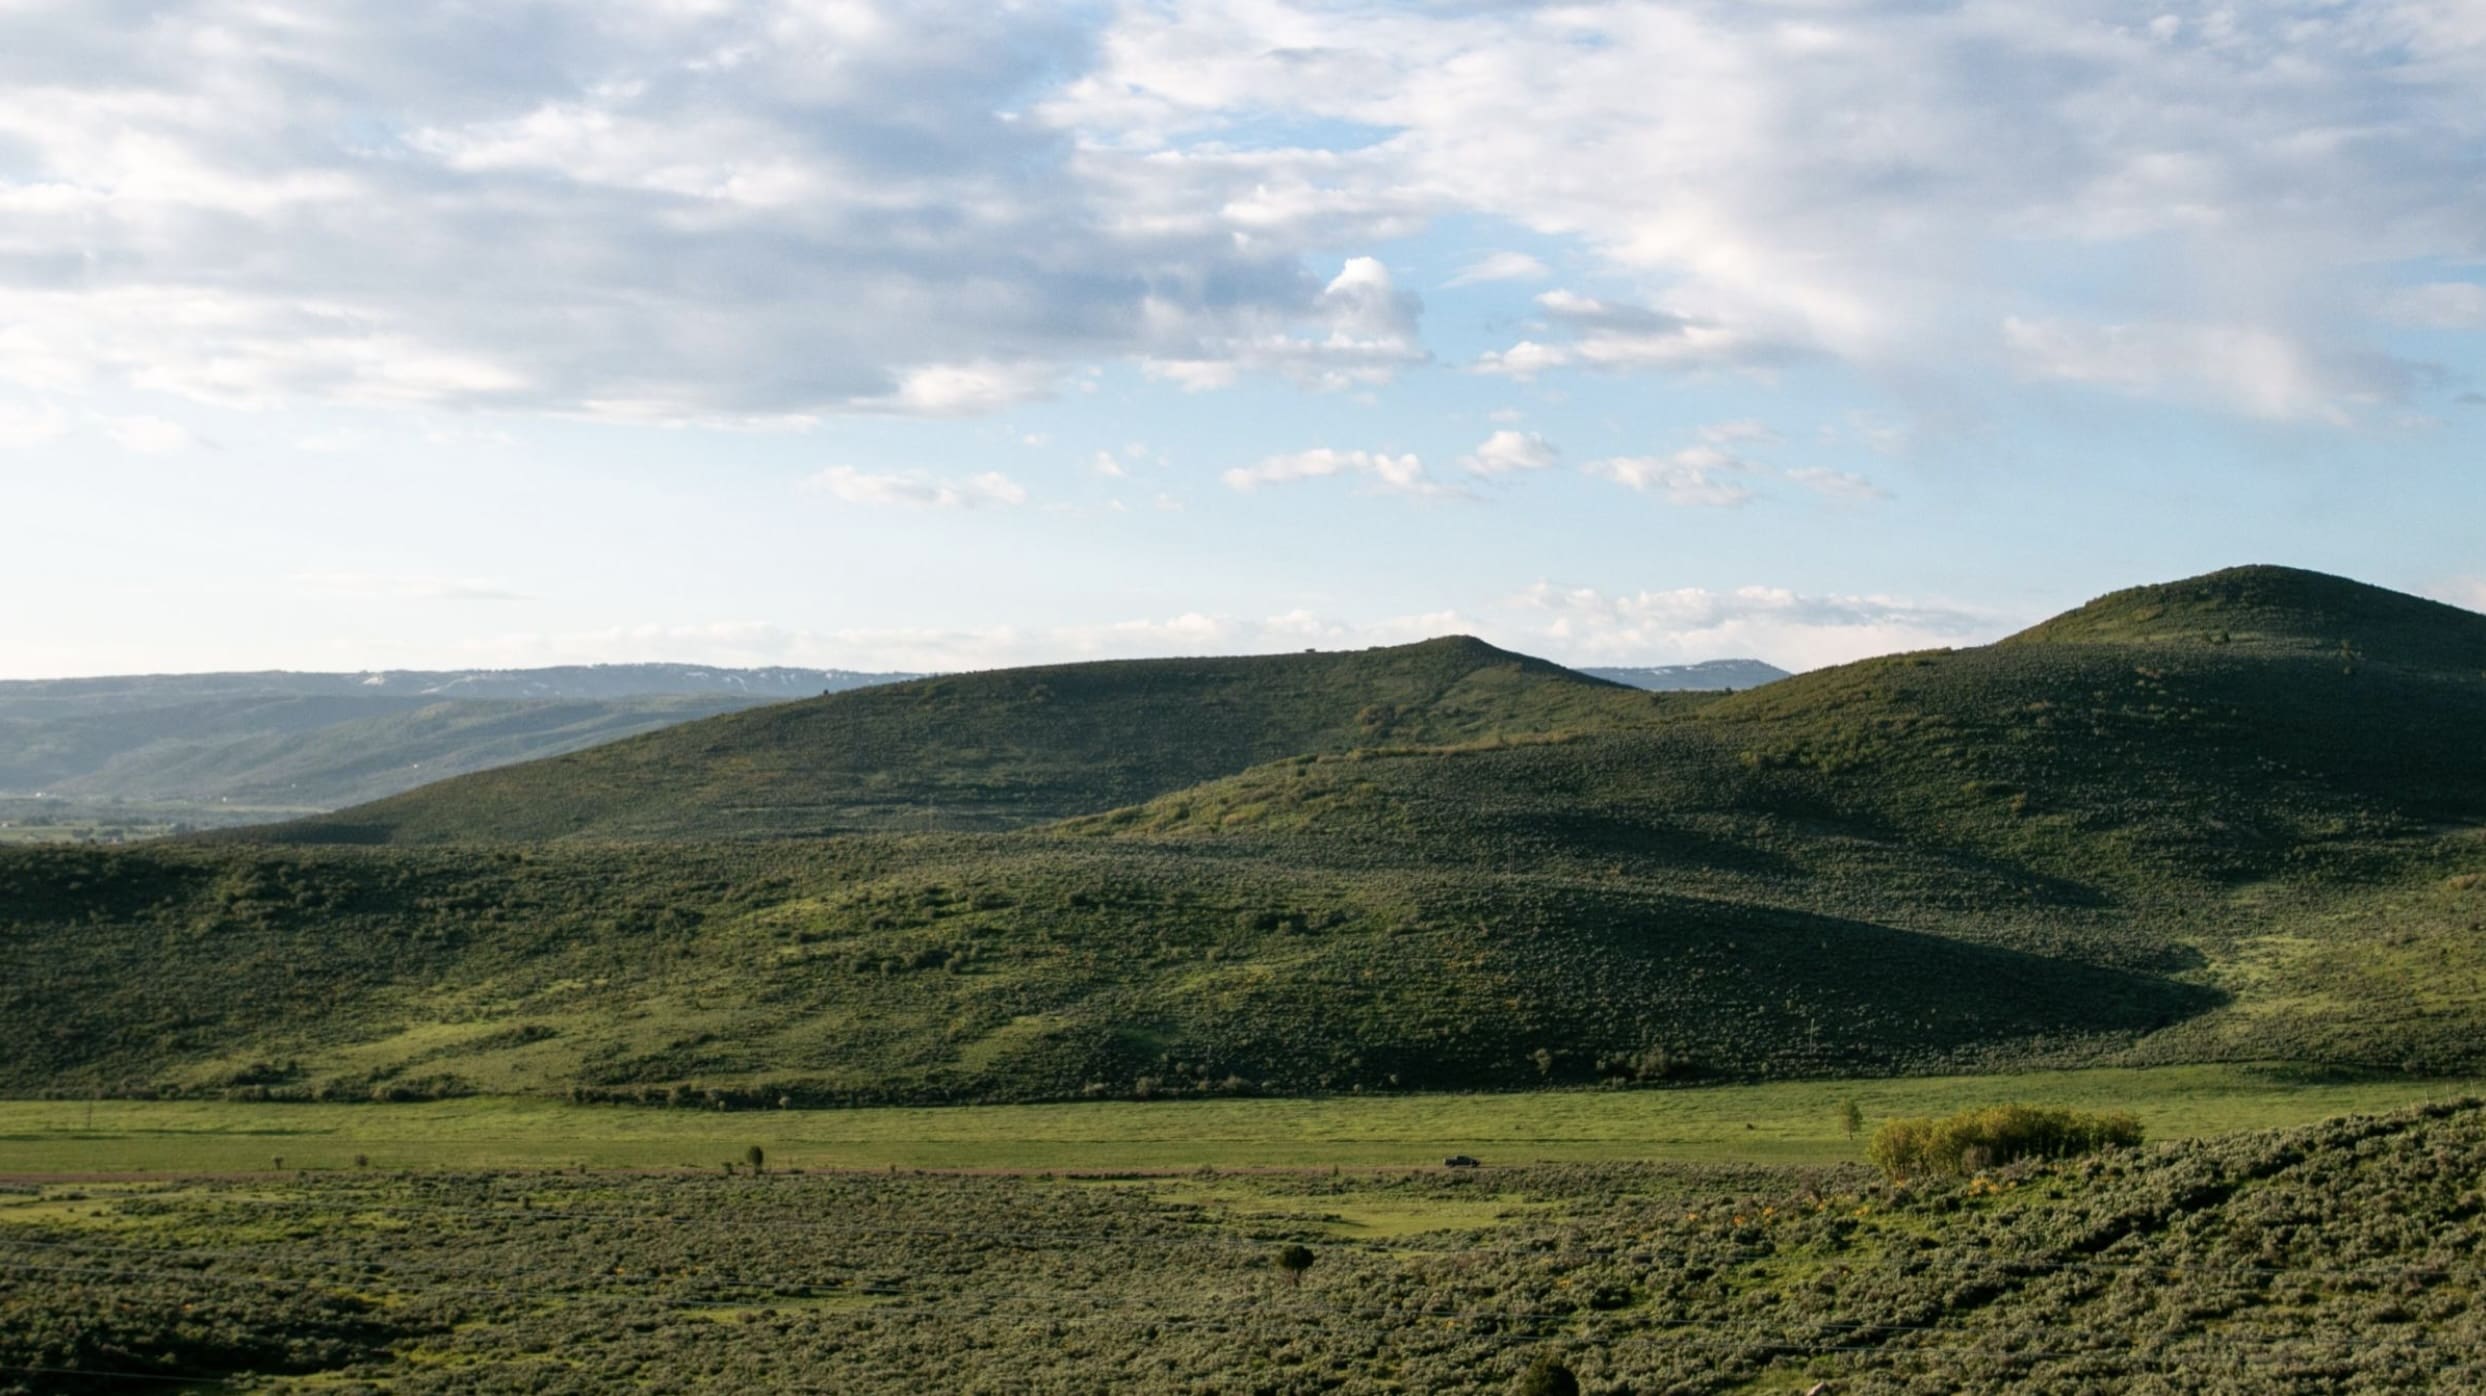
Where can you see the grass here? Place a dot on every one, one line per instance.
(1792, 1123)
(2344, 1255)
(1437, 867)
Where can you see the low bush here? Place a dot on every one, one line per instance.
(1975, 1140)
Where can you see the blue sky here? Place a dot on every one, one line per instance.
(934, 336)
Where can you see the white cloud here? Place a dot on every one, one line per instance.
(1364, 333)
(371, 586)
(1880, 182)
(2469, 592)
(647, 210)
(1837, 484)
(1402, 474)
(1693, 477)
(151, 436)
(1744, 430)
(25, 426)
(2256, 371)
(1502, 266)
(665, 210)
(932, 649)
(1574, 625)
(2440, 305)
(916, 490)
(1785, 627)
(1104, 464)
(960, 390)
(1603, 335)
(1506, 452)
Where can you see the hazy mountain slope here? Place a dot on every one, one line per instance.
(995, 750)
(317, 741)
(36, 698)
(368, 758)
(1709, 675)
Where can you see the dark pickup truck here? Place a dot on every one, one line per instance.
(1462, 1161)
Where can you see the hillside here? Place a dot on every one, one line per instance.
(995, 750)
(2278, 608)
(199, 745)
(1460, 868)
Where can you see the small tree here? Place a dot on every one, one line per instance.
(1851, 1119)
(1294, 1260)
(757, 1158)
(1547, 1377)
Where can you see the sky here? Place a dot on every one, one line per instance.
(342, 335)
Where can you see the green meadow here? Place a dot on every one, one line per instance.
(1783, 1123)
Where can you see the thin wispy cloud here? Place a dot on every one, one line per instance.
(916, 490)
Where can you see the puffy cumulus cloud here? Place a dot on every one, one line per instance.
(767, 210)
(1399, 474)
(916, 490)
(1363, 334)
(1709, 475)
(1884, 181)
(1785, 627)
(1694, 477)
(1508, 452)
(639, 209)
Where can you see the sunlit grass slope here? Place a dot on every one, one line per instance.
(1439, 866)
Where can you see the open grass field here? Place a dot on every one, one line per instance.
(2339, 1258)
(1792, 1123)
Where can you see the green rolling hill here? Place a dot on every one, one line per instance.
(2240, 817)
(995, 750)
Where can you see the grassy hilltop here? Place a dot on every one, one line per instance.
(2233, 818)
(993, 750)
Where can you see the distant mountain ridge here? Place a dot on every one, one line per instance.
(1708, 676)
(567, 681)
(307, 741)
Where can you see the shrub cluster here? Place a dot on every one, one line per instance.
(1973, 1141)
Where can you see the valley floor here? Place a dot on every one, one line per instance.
(2339, 1257)
(1789, 1123)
